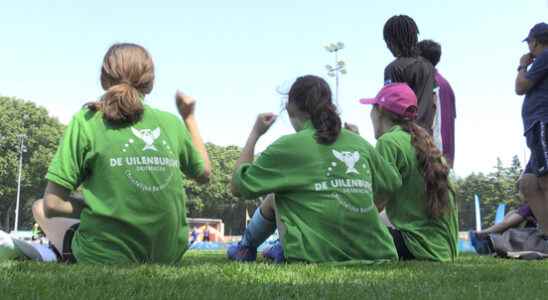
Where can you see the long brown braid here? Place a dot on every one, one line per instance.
(431, 163)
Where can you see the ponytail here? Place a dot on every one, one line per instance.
(434, 169)
(312, 95)
(127, 75)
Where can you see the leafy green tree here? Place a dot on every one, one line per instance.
(215, 199)
(493, 188)
(43, 133)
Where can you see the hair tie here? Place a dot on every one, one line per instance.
(126, 82)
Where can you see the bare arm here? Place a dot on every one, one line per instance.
(263, 123)
(186, 106)
(352, 127)
(59, 203)
(522, 83)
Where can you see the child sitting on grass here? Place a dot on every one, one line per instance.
(129, 159)
(421, 213)
(522, 216)
(320, 183)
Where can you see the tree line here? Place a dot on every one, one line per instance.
(43, 133)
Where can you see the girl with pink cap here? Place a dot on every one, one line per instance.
(421, 214)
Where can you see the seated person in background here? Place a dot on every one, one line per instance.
(421, 213)
(193, 235)
(320, 183)
(206, 233)
(129, 159)
(522, 216)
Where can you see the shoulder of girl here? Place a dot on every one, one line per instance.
(84, 114)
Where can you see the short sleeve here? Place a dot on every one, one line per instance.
(191, 162)
(68, 166)
(386, 178)
(390, 152)
(539, 69)
(263, 176)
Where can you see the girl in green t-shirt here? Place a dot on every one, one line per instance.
(128, 160)
(421, 213)
(317, 186)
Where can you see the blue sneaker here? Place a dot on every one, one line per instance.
(275, 253)
(239, 252)
(481, 245)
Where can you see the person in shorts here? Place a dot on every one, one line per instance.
(532, 81)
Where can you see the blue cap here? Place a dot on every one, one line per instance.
(536, 31)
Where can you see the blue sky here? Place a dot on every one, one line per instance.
(233, 55)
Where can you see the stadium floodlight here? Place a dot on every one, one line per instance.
(339, 68)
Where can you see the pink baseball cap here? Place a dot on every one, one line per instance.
(397, 98)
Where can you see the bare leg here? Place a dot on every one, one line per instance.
(54, 228)
(512, 219)
(385, 220)
(267, 208)
(535, 192)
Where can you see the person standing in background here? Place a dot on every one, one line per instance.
(447, 110)
(532, 81)
(401, 36)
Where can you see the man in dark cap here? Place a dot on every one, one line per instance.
(532, 81)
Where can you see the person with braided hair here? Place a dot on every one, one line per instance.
(421, 214)
(401, 36)
(319, 184)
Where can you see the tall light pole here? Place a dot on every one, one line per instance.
(338, 69)
(21, 139)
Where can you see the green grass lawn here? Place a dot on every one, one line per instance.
(208, 275)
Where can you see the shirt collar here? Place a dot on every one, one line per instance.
(308, 125)
(395, 128)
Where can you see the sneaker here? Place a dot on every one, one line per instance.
(239, 252)
(275, 253)
(481, 245)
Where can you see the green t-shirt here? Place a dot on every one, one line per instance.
(132, 180)
(324, 196)
(426, 238)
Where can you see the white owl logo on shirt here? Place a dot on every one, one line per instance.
(349, 159)
(148, 136)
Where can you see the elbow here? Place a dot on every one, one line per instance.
(207, 173)
(522, 86)
(204, 179)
